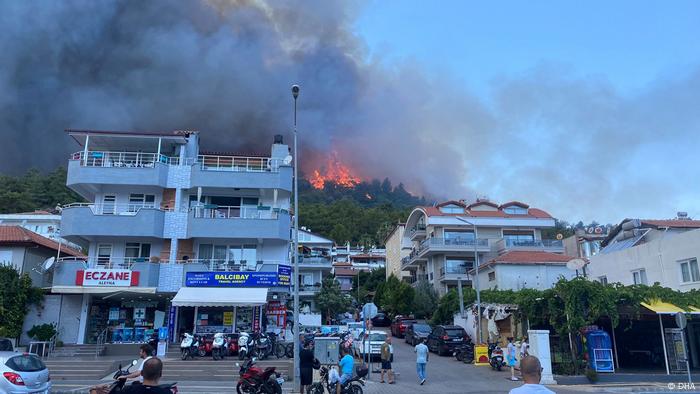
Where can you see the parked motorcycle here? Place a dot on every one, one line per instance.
(352, 386)
(243, 342)
(254, 380)
(118, 385)
(218, 346)
(205, 346)
(263, 345)
(496, 359)
(231, 345)
(189, 347)
(464, 352)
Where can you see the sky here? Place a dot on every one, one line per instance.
(598, 62)
(588, 110)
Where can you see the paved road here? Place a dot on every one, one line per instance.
(446, 376)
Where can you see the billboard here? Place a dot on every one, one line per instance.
(240, 278)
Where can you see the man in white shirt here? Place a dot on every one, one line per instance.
(145, 353)
(531, 369)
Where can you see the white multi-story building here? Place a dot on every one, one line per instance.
(639, 251)
(445, 240)
(315, 264)
(176, 238)
(520, 269)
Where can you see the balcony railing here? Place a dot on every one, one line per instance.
(415, 229)
(536, 243)
(233, 163)
(231, 264)
(458, 242)
(417, 278)
(114, 209)
(105, 262)
(119, 159)
(315, 260)
(462, 271)
(234, 212)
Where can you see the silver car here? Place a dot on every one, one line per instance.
(23, 373)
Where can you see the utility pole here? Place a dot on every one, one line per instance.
(297, 329)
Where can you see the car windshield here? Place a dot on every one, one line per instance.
(421, 328)
(377, 337)
(25, 363)
(454, 332)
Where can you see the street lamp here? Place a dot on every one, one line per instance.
(296, 331)
(476, 285)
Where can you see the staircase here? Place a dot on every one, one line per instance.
(76, 369)
(79, 351)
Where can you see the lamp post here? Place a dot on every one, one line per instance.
(476, 283)
(296, 331)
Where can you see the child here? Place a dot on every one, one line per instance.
(511, 359)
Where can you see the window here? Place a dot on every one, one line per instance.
(109, 204)
(603, 279)
(689, 271)
(492, 276)
(515, 210)
(137, 201)
(518, 237)
(458, 237)
(451, 209)
(104, 253)
(639, 277)
(455, 265)
(137, 251)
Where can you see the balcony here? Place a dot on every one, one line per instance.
(417, 232)
(414, 280)
(309, 290)
(88, 221)
(447, 245)
(454, 273)
(548, 245)
(216, 221)
(241, 172)
(87, 171)
(315, 262)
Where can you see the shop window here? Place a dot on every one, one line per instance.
(689, 271)
(137, 252)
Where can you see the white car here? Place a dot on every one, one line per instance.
(23, 373)
(371, 343)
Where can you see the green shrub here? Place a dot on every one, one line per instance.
(42, 332)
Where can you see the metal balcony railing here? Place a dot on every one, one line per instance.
(106, 262)
(235, 212)
(533, 243)
(232, 264)
(114, 209)
(119, 159)
(233, 163)
(415, 229)
(466, 242)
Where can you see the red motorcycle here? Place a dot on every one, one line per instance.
(232, 344)
(205, 346)
(254, 380)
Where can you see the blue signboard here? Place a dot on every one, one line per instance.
(280, 278)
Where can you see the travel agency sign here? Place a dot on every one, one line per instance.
(240, 278)
(106, 278)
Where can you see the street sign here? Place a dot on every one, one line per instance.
(369, 310)
(681, 320)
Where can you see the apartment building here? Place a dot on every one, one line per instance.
(445, 241)
(176, 237)
(394, 252)
(315, 264)
(522, 269)
(644, 252)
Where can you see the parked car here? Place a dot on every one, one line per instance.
(23, 373)
(6, 345)
(381, 319)
(444, 339)
(417, 332)
(398, 326)
(371, 343)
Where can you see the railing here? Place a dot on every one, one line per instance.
(119, 159)
(234, 212)
(114, 209)
(232, 264)
(534, 243)
(315, 260)
(453, 271)
(417, 278)
(310, 288)
(237, 163)
(455, 242)
(415, 229)
(108, 262)
(52, 345)
(100, 343)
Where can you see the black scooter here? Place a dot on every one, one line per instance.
(496, 358)
(118, 385)
(465, 352)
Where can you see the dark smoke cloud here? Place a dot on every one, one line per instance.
(569, 144)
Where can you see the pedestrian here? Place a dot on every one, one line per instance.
(145, 353)
(387, 358)
(306, 366)
(531, 369)
(524, 348)
(422, 355)
(511, 359)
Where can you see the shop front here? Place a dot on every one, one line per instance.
(231, 301)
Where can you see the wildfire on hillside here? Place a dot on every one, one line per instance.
(333, 171)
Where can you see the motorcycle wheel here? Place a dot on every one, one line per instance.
(273, 388)
(355, 389)
(201, 352)
(183, 354)
(241, 354)
(244, 388)
(316, 388)
(460, 356)
(280, 350)
(289, 351)
(498, 367)
(215, 354)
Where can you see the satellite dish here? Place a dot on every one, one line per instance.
(47, 264)
(560, 236)
(576, 264)
(287, 160)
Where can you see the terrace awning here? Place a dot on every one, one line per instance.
(666, 308)
(220, 296)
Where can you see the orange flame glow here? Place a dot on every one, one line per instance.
(334, 172)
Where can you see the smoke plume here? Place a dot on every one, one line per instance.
(564, 143)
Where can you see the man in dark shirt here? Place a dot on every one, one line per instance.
(151, 372)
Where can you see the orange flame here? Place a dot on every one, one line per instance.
(334, 172)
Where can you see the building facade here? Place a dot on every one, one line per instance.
(44, 223)
(446, 240)
(176, 237)
(315, 264)
(639, 251)
(395, 252)
(517, 270)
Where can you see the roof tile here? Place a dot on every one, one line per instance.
(17, 235)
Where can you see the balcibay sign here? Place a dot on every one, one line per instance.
(106, 278)
(240, 278)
